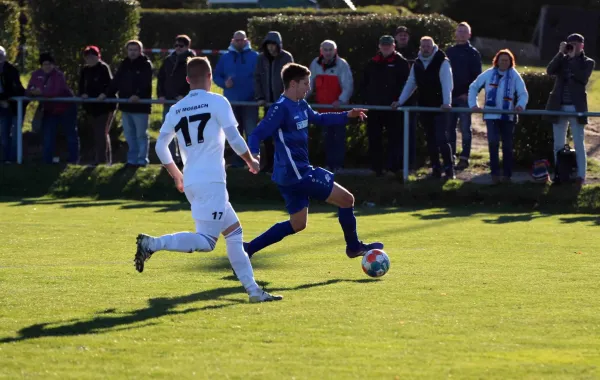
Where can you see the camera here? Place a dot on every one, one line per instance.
(569, 48)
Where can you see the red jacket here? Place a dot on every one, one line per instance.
(52, 85)
(331, 82)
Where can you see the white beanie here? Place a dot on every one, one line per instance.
(2, 51)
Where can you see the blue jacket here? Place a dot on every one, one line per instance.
(287, 122)
(466, 67)
(240, 67)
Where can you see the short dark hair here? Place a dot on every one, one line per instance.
(184, 39)
(46, 57)
(293, 72)
(401, 29)
(198, 67)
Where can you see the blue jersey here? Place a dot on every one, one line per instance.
(287, 123)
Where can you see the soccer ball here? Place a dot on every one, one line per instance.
(376, 263)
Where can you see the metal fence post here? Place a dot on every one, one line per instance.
(19, 130)
(405, 151)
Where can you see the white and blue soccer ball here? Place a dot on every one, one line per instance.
(376, 263)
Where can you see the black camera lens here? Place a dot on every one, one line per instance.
(569, 47)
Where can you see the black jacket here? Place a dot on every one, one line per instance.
(574, 73)
(11, 85)
(133, 78)
(171, 76)
(94, 81)
(384, 79)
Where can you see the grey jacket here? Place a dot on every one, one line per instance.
(575, 73)
(268, 84)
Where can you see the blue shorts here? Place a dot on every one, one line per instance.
(318, 184)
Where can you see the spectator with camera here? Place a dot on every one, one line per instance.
(504, 90)
(572, 70)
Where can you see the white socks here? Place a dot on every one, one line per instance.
(240, 262)
(183, 242)
(190, 242)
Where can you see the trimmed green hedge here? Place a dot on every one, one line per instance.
(533, 136)
(357, 37)
(213, 28)
(10, 31)
(65, 27)
(153, 183)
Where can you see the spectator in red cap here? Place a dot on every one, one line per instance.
(94, 80)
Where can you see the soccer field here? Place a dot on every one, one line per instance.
(470, 294)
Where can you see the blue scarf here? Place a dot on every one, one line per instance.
(491, 97)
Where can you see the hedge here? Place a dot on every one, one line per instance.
(154, 184)
(533, 136)
(173, 4)
(10, 31)
(65, 27)
(160, 26)
(357, 37)
(509, 19)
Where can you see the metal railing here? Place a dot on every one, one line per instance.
(406, 110)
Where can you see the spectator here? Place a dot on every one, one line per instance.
(383, 79)
(332, 83)
(402, 37)
(94, 80)
(268, 84)
(432, 76)
(466, 67)
(502, 84)
(172, 83)
(49, 82)
(133, 81)
(235, 74)
(572, 69)
(10, 85)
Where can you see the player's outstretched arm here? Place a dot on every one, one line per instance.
(334, 118)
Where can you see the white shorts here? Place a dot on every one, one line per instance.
(211, 209)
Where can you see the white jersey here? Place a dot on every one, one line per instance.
(199, 120)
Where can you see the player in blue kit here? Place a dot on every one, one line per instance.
(287, 123)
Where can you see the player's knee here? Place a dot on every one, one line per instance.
(210, 245)
(299, 225)
(348, 200)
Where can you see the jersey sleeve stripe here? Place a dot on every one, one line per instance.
(289, 154)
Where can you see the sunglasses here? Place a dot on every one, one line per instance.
(179, 45)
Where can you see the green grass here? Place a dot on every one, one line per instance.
(469, 294)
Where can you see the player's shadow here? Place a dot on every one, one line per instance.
(110, 320)
(593, 219)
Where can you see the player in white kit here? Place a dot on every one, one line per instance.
(202, 121)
